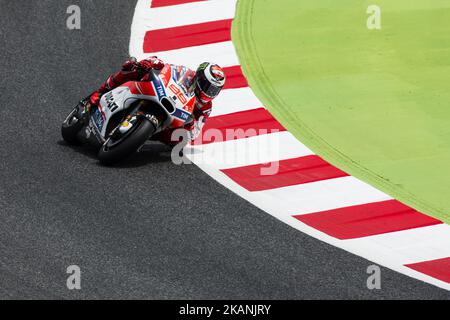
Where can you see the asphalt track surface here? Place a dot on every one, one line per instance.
(147, 229)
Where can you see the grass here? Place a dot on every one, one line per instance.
(375, 103)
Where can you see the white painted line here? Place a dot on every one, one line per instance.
(185, 14)
(235, 100)
(250, 151)
(319, 196)
(409, 246)
(382, 256)
(223, 53)
(138, 29)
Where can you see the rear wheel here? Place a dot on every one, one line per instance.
(120, 146)
(72, 126)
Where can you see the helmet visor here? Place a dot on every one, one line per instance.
(208, 88)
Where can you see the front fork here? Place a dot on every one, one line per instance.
(132, 119)
(84, 110)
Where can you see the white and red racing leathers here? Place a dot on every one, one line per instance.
(129, 72)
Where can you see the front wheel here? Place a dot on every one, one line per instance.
(72, 126)
(121, 146)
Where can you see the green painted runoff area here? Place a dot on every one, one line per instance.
(373, 102)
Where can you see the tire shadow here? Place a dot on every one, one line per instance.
(151, 152)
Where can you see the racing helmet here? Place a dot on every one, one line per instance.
(209, 81)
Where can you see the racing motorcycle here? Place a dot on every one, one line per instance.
(131, 114)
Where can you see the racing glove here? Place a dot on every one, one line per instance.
(195, 128)
(127, 73)
(151, 63)
(95, 98)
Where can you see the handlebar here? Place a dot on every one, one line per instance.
(152, 73)
(139, 67)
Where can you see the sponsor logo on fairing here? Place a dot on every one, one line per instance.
(98, 119)
(183, 115)
(110, 103)
(159, 88)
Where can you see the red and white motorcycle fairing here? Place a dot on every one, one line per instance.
(165, 89)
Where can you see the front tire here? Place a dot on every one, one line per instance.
(116, 150)
(71, 127)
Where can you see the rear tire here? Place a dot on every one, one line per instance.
(71, 127)
(114, 151)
